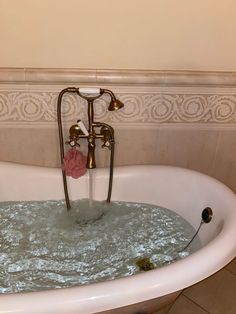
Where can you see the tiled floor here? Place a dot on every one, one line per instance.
(214, 295)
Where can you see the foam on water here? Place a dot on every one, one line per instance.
(44, 247)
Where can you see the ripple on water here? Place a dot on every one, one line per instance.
(45, 247)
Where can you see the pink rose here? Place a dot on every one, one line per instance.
(74, 163)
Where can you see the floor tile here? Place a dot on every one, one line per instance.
(216, 294)
(232, 267)
(164, 310)
(185, 306)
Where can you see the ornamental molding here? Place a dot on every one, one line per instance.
(150, 97)
(145, 108)
(51, 76)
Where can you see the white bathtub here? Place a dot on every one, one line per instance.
(184, 191)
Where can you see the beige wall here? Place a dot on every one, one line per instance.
(127, 34)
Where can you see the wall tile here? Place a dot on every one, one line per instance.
(208, 151)
(224, 168)
(189, 148)
(136, 146)
(30, 146)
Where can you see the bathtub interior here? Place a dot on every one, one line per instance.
(183, 191)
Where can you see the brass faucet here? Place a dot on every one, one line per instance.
(105, 133)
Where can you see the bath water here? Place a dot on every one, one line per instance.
(44, 247)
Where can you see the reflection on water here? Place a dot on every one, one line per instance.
(43, 247)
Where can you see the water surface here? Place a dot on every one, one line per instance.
(42, 246)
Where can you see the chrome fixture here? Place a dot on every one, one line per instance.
(78, 131)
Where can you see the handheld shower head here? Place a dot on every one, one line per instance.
(94, 93)
(115, 104)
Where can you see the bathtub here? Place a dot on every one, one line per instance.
(184, 191)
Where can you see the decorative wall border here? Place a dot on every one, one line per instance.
(35, 106)
(150, 97)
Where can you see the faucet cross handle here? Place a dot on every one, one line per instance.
(76, 132)
(72, 143)
(74, 136)
(108, 137)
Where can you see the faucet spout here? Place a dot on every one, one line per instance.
(91, 163)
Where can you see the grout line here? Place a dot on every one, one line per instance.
(230, 271)
(196, 304)
(174, 302)
(212, 170)
(225, 268)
